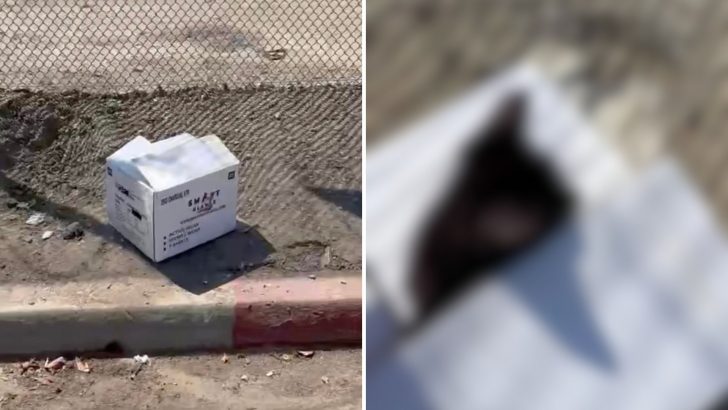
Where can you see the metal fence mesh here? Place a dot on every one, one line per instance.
(122, 45)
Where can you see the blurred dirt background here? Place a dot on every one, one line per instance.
(660, 62)
(278, 81)
(328, 380)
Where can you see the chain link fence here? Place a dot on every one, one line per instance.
(279, 81)
(120, 45)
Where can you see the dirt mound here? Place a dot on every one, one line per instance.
(31, 128)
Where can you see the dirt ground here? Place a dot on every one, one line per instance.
(300, 189)
(142, 44)
(195, 382)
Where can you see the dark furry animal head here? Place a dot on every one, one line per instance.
(503, 201)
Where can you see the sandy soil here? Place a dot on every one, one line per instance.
(141, 44)
(300, 192)
(196, 382)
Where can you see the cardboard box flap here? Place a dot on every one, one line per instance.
(172, 161)
(224, 156)
(138, 146)
(121, 159)
(171, 142)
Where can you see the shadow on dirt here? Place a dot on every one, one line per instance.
(219, 261)
(199, 270)
(348, 200)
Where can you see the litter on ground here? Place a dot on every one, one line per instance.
(141, 359)
(36, 218)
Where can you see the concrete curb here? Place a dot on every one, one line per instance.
(305, 311)
(243, 313)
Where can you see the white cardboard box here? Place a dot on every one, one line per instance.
(172, 195)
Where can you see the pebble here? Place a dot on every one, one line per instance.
(36, 218)
(47, 234)
(11, 203)
(72, 231)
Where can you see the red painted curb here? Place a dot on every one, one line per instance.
(297, 311)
